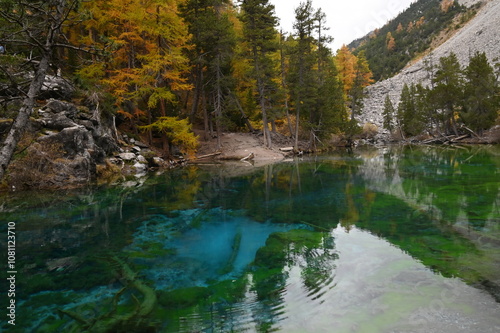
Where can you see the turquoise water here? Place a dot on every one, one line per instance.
(401, 239)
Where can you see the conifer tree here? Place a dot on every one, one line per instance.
(259, 28)
(481, 94)
(388, 114)
(214, 41)
(303, 81)
(406, 108)
(447, 91)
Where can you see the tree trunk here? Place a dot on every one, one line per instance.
(19, 125)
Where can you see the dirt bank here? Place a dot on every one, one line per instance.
(236, 146)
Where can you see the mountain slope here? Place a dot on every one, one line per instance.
(479, 34)
(411, 33)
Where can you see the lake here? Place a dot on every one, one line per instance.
(399, 239)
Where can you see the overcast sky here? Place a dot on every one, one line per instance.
(347, 19)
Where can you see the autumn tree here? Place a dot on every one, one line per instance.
(146, 70)
(446, 5)
(400, 28)
(346, 65)
(362, 79)
(259, 26)
(390, 43)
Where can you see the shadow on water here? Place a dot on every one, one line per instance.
(396, 239)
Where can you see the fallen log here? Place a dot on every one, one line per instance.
(207, 156)
(458, 138)
(249, 157)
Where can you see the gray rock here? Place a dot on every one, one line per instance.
(141, 159)
(139, 167)
(127, 156)
(158, 162)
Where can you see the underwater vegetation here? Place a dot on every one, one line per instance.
(195, 250)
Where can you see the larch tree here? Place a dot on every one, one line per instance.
(362, 79)
(346, 65)
(146, 68)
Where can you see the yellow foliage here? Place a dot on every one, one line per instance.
(178, 131)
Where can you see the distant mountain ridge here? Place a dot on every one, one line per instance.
(410, 34)
(480, 34)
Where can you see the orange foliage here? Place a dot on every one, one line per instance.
(446, 4)
(146, 39)
(390, 42)
(346, 65)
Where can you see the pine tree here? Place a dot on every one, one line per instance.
(259, 22)
(214, 41)
(303, 77)
(388, 114)
(447, 91)
(481, 99)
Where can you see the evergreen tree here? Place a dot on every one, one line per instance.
(406, 108)
(259, 22)
(388, 114)
(447, 91)
(481, 100)
(214, 41)
(303, 81)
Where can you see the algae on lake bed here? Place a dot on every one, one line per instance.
(376, 238)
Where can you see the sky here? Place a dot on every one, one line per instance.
(347, 19)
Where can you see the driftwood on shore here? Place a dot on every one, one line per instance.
(207, 156)
(446, 139)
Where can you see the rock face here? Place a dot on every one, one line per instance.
(73, 141)
(480, 34)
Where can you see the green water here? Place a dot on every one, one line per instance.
(401, 239)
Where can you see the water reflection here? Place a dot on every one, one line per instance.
(401, 240)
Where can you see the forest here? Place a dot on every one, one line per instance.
(161, 68)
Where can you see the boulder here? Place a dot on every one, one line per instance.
(139, 167)
(141, 159)
(127, 156)
(56, 86)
